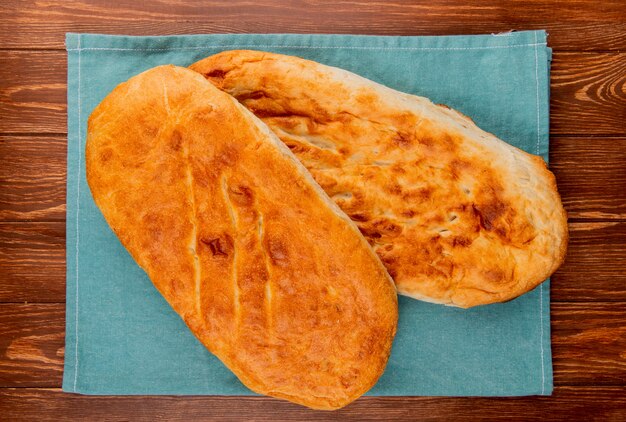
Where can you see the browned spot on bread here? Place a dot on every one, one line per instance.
(461, 241)
(344, 150)
(365, 98)
(488, 213)
(359, 216)
(175, 141)
(370, 232)
(393, 188)
(426, 140)
(228, 156)
(241, 195)
(501, 231)
(403, 139)
(449, 142)
(219, 246)
(271, 109)
(261, 111)
(495, 275)
(253, 95)
(278, 252)
(106, 155)
(405, 119)
(459, 167)
(216, 76)
(530, 239)
(422, 194)
(387, 227)
(398, 168)
(296, 147)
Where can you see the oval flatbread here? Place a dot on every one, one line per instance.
(263, 267)
(458, 216)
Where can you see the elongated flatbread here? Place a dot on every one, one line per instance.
(263, 267)
(458, 216)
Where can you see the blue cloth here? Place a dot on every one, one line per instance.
(123, 338)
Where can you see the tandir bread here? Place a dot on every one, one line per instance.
(458, 216)
(263, 267)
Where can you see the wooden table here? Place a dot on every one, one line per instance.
(588, 155)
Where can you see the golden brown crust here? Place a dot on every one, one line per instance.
(457, 216)
(262, 266)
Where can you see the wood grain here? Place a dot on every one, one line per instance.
(33, 92)
(588, 87)
(589, 343)
(587, 25)
(567, 403)
(591, 176)
(32, 263)
(594, 266)
(32, 339)
(32, 177)
(587, 92)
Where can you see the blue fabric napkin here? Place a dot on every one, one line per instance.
(123, 338)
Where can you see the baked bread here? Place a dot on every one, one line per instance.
(458, 216)
(263, 267)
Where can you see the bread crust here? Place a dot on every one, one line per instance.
(458, 216)
(262, 266)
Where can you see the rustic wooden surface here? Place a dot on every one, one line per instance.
(588, 156)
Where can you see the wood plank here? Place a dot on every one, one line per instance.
(588, 95)
(589, 343)
(32, 177)
(32, 344)
(33, 92)
(594, 266)
(588, 88)
(589, 25)
(567, 403)
(32, 263)
(591, 175)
